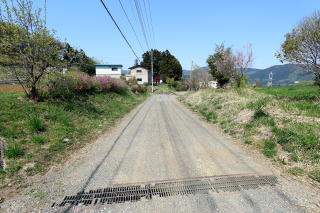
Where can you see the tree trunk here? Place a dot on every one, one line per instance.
(238, 83)
(34, 93)
(317, 79)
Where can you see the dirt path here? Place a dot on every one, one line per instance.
(162, 140)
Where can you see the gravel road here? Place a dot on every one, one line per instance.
(161, 140)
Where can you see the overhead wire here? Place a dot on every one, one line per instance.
(151, 21)
(122, 34)
(131, 25)
(141, 21)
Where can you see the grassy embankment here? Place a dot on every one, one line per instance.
(283, 122)
(39, 134)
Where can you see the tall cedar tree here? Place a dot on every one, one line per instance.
(164, 65)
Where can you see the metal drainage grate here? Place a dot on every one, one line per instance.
(132, 193)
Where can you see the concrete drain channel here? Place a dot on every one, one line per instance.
(136, 192)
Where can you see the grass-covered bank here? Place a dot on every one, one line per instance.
(282, 122)
(40, 134)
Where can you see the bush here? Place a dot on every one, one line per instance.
(181, 86)
(171, 82)
(36, 125)
(14, 151)
(74, 83)
(139, 89)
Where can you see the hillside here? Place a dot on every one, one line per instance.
(282, 74)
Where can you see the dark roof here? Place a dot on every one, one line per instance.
(109, 65)
(130, 68)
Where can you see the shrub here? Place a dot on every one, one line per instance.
(117, 85)
(36, 125)
(181, 86)
(68, 85)
(38, 139)
(14, 151)
(61, 86)
(171, 82)
(139, 89)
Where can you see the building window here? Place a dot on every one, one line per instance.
(114, 69)
(139, 71)
(139, 79)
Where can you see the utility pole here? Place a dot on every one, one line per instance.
(152, 70)
(270, 80)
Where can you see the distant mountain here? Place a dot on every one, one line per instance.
(282, 74)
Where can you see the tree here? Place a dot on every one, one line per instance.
(25, 42)
(242, 62)
(220, 64)
(71, 56)
(194, 80)
(146, 61)
(164, 64)
(74, 57)
(170, 67)
(302, 45)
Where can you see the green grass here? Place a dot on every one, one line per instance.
(36, 125)
(290, 91)
(38, 132)
(302, 99)
(269, 149)
(274, 120)
(315, 174)
(14, 151)
(38, 139)
(297, 171)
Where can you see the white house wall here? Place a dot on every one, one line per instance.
(107, 71)
(143, 75)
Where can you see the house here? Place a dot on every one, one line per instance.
(112, 70)
(141, 74)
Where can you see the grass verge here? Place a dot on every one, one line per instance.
(283, 122)
(40, 134)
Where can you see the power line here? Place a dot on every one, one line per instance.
(135, 33)
(147, 18)
(114, 21)
(151, 20)
(138, 8)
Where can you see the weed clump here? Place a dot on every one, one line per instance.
(36, 125)
(269, 149)
(297, 171)
(315, 174)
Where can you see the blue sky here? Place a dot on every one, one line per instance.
(188, 29)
